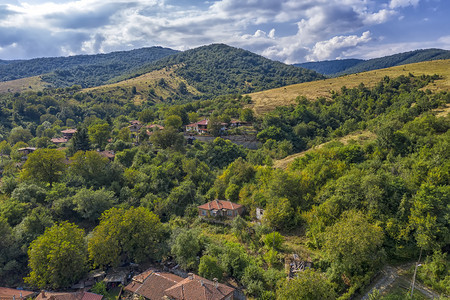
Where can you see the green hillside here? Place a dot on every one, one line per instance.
(351, 66)
(84, 70)
(220, 69)
(330, 67)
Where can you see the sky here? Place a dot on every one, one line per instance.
(291, 31)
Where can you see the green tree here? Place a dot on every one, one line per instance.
(130, 234)
(353, 244)
(247, 115)
(430, 216)
(309, 285)
(19, 134)
(91, 204)
(214, 126)
(210, 268)
(279, 214)
(125, 134)
(58, 258)
(33, 225)
(186, 246)
(99, 134)
(173, 121)
(167, 138)
(5, 148)
(91, 167)
(146, 116)
(80, 141)
(45, 165)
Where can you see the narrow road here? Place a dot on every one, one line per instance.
(389, 274)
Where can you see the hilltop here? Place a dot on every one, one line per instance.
(84, 70)
(352, 66)
(268, 100)
(221, 69)
(207, 72)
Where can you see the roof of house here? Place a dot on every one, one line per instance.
(8, 293)
(155, 126)
(69, 131)
(152, 284)
(91, 296)
(27, 149)
(198, 288)
(68, 296)
(202, 122)
(220, 204)
(59, 140)
(107, 154)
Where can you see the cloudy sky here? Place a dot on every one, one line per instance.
(286, 30)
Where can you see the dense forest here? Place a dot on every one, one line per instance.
(349, 209)
(84, 70)
(219, 69)
(351, 66)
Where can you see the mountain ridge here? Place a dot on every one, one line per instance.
(339, 67)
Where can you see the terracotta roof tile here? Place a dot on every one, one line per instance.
(198, 288)
(220, 204)
(91, 296)
(7, 293)
(153, 285)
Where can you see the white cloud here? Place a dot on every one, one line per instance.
(331, 48)
(403, 3)
(317, 28)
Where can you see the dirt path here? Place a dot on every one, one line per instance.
(390, 274)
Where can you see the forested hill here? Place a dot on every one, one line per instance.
(85, 70)
(220, 69)
(351, 66)
(330, 67)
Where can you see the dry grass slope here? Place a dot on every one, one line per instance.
(266, 101)
(149, 81)
(22, 85)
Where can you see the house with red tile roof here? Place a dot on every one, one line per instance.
(220, 208)
(68, 296)
(199, 288)
(10, 294)
(200, 126)
(152, 284)
(155, 285)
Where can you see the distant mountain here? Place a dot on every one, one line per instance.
(219, 69)
(351, 66)
(330, 67)
(85, 70)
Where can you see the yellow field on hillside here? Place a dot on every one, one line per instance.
(149, 81)
(22, 85)
(268, 100)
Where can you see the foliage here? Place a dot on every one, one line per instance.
(220, 69)
(61, 248)
(44, 165)
(132, 234)
(353, 245)
(91, 204)
(308, 285)
(86, 70)
(186, 246)
(209, 268)
(167, 138)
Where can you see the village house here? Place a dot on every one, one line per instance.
(200, 127)
(220, 208)
(155, 285)
(82, 295)
(13, 294)
(67, 135)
